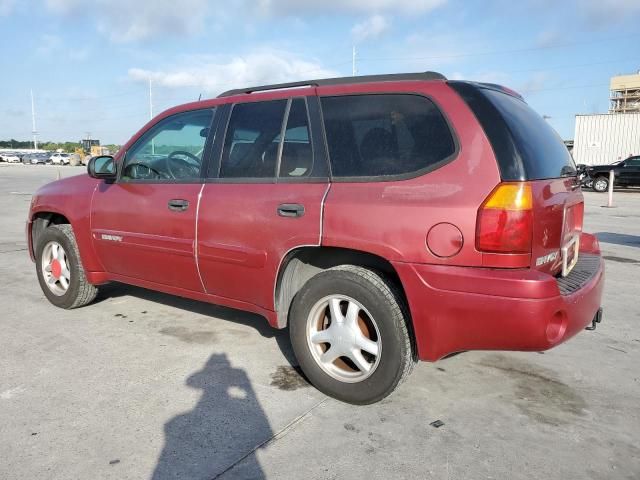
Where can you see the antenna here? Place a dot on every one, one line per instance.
(200, 97)
(33, 119)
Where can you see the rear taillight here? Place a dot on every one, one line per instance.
(505, 220)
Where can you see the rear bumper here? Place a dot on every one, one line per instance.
(458, 308)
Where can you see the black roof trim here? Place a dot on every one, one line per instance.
(338, 81)
(498, 88)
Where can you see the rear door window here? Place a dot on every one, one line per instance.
(385, 135)
(297, 153)
(252, 140)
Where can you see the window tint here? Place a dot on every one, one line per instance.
(381, 135)
(633, 162)
(297, 154)
(542, 151)
(252, 140)
(171, 150)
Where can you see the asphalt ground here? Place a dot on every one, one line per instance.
(145, 385)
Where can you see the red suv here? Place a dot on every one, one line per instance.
(383, 219)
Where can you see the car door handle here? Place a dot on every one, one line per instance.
(290, 210)
(178, 205)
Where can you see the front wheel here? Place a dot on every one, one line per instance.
(349, 332)
(59, 269)
(601, 184)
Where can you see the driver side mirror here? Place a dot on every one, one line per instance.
(102, 167)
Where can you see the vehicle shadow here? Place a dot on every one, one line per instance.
(115, 290)
(224, 428)
(619, 239)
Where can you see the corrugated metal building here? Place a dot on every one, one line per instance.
(606, 138)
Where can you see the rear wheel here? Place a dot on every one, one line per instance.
(59, 269)
(601, 184)
(349, 332)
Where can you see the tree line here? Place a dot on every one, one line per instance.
(69, 147)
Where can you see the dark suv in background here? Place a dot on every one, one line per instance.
(626, 174)
(383, 219)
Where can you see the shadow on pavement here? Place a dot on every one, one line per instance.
(619, 239)
(115, 290)
(226, 424)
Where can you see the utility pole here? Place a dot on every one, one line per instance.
(354, 68)
(150, 101)
(153, 146)
(33, 120)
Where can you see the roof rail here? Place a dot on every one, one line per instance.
(338, 81)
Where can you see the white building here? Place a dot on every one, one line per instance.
(602, 139)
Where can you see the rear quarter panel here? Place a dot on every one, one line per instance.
(392, 218)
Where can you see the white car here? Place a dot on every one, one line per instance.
(10, 157)
(60, 159)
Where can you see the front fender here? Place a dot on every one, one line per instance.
(71, 199)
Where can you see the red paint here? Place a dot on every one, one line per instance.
(444, 240)
(242, 240)
(489, 309)
(424, 226)
(56, 269)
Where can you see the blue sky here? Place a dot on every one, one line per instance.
(89, 62)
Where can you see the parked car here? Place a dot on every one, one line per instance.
(626, 174)
(39, 159)
(384, 219)
(10, 157)
(60, 158)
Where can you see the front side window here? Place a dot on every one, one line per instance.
(385, 135)
(171, 150)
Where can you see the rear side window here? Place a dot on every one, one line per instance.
(385, 135)
(525, 145)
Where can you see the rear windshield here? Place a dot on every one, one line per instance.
(525, 145)
(542, 150)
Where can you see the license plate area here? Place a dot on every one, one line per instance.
(570, 255)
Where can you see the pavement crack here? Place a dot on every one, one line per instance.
(275, 437)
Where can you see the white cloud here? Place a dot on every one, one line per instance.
(537, 82)
(547, 38)
(127, 20)
(49, 44)
(214, 75)
(602, 13)
(6, 7)
(354, 6)
(372, 27)
(139, 20)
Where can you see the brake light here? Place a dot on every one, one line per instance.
(505, 220)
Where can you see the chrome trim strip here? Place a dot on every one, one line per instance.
(195, 246)
(324, 197)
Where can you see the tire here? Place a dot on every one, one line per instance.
(78, 291)
(601, 184)
(380, 318)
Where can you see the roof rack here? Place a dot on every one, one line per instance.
(338, 81)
